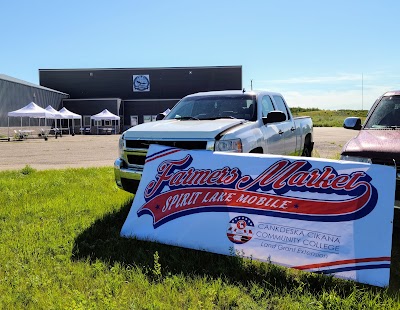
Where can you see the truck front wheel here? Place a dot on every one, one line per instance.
(257, 150)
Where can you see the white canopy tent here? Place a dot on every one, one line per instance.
(31, 110)
(106, 115)
(67, 114)
(57, 115)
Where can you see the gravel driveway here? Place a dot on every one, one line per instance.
(96, 151)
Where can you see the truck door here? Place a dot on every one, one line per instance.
(272, 133)
(287, 127)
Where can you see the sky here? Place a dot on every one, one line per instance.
(340, 54)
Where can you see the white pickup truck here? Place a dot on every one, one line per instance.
(221, 121)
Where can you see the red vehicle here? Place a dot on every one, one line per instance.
(378, 141)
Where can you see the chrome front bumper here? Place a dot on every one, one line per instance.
(126, 178)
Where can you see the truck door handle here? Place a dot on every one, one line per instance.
(280, 132)
(292, 129)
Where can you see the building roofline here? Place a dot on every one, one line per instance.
(93, 99)
(22, 82)
(144, 68)
(169, 99)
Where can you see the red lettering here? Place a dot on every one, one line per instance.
(298, 179)
(265, 178)
(165, 169)
(292, 168)
(280, 174)
(325, 180)
(352, 182)
(340, 181)
(314, 175)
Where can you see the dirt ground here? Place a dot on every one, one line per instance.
(101, 150)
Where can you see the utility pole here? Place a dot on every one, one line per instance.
(362, 91)
(251, 84)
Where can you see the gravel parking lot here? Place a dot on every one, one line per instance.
(96, 151)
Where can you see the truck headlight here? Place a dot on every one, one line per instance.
(234, 145)
(121, 145)
(356, 158)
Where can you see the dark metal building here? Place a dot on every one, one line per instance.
(15, 94)
(135, 94)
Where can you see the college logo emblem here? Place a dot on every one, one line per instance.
(240, 230)
(141, 83)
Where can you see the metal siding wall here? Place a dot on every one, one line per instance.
(166, 83)
(14, 96)
(143, 107)
(91, 107)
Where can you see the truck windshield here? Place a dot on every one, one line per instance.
(215, 107)
(386, 114)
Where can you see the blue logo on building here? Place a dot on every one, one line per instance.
(141, 83)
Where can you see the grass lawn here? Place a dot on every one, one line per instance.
(329, 118)
(60, 249)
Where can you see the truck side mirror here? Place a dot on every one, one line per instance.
(160, 116)
(352, 123)
(274, 117)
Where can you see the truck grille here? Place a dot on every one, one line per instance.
(187, 145)
(139, 157)
(136, 159)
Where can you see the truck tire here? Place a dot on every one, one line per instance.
(257, 150)
(308, 147)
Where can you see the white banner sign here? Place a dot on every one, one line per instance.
(318, 215)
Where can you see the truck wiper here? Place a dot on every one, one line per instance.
(380, 127)
(219, 117)
(185, 118)
(393, 127)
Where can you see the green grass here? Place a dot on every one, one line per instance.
(329, 118)
(60, 249)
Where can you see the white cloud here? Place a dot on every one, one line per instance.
(318, 79)
(334, 100)
(341, 91)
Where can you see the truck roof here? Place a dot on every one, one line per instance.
(392, 93)
(233, 92)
